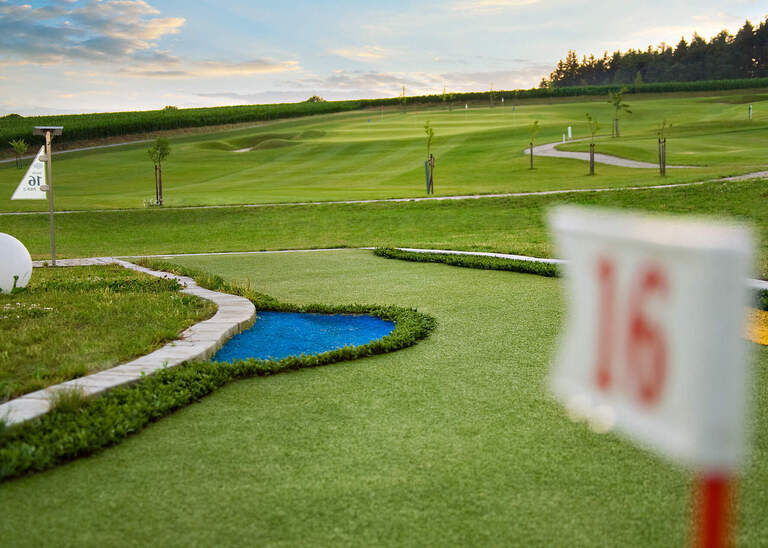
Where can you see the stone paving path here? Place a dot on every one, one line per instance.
(549, 150)
(199, 342)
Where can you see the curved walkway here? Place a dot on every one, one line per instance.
(199, 342)
(550, 151)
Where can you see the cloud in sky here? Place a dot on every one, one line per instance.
(485, 6)
(109, 31)
(366, 53)
(207, 69)
(124, 54)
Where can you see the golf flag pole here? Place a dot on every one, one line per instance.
(49, 132)
(652, 346)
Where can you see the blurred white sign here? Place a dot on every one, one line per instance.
(652, 345)
(29, 187)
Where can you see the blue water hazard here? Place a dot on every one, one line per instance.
(276, 335)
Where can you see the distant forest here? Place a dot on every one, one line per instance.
(724, 57)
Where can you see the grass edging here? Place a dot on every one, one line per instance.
(472, 261)
(70, 432)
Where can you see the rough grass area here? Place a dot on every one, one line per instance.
(72, 321)
(504, 225)
(453, 441)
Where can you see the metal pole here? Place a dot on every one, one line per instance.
(49, 161)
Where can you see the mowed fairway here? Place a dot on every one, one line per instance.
(366, 154)
(453, 441)
(506, 225)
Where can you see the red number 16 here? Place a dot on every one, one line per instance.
(646, 348)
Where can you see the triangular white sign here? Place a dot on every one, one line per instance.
(29, 187)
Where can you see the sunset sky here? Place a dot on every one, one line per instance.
(66, 56)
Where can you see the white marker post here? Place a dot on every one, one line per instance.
(49, 132)
(570, 134)
(653, 346)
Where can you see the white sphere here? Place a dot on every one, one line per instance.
(14, 261)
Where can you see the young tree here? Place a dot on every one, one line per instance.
(430, 133)
(663, 127)
(616, 99)
(533, 129)
(430, 163)
(594, 126)
(19, 146)
(158, 152)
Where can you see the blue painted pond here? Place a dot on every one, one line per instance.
(276, 335)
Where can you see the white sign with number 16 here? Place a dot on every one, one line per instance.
(652, 343)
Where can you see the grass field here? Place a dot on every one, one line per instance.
(509, 225)
(363, 155)
(74, 321)
(453, 441)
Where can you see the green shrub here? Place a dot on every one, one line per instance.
(471, 261)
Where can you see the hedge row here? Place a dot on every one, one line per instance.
(471, 261)
(78, 127)
(70, 431)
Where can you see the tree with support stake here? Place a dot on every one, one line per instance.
(533, 129)
(429, 165)
(593, 127)
(616, 99)
(663, 148)
(158, 152)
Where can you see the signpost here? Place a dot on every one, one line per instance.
(652, 345)
(49, 132)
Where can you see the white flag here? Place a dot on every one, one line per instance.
(29, 187)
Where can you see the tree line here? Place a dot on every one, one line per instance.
(724, 57)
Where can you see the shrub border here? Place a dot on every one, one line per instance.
(65, 434)
(472, 261)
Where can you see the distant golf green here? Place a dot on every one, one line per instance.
(454, 441)
(363, 155)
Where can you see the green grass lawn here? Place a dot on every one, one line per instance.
(509, 225)
(453, 441)
(363, 155)
(69, 322)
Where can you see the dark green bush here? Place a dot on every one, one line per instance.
(471, 261)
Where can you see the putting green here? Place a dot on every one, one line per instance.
(452, 441)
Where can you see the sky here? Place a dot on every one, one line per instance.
(73, 56)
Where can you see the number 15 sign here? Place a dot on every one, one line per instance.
(653, 342)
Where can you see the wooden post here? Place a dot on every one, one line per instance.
(531, 154)
(591, 158)
(48, 168)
